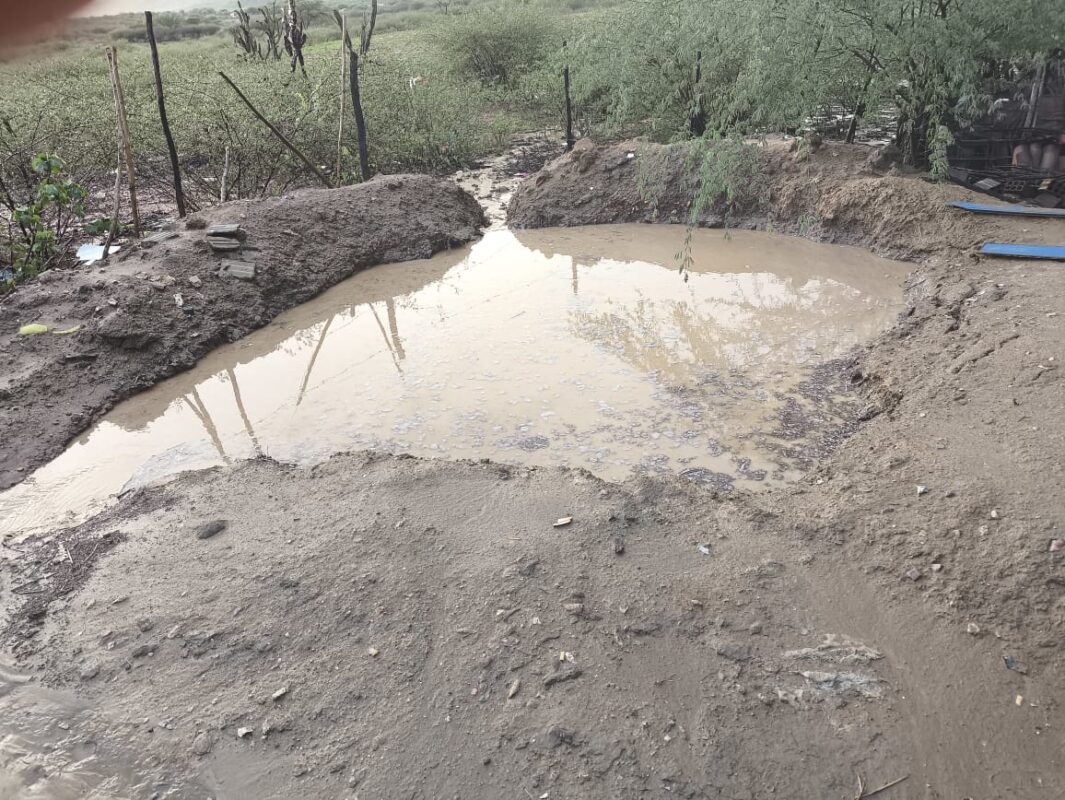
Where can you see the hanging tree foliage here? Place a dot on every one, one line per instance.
(772, 64)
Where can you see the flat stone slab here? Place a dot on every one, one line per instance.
(244, 270)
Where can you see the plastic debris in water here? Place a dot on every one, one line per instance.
(563, 522)
(33, 330)
(91, 253)
(706, 549)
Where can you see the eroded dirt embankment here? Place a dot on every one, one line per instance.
(832, 195)
(135, 330)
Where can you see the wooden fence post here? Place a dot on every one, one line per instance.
(360, 119)
(123, 136)
(344, 42)
(117, 207)
(570, 141)
(179, 194)
(223, 190)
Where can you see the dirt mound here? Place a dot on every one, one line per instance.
(403, 628)
(154, 311)
(831, 195)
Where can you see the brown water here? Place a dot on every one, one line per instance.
(582, 347)
(45, 753)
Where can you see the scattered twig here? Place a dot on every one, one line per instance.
(65, 553)
(861, 787)
(885, 787)
(19, 589)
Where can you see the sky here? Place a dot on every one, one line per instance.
(102, 7)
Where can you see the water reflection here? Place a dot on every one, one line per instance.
(578, 347)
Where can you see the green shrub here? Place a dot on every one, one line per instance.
(499, 43)
(39, 229)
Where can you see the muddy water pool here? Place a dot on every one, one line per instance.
(583, 347)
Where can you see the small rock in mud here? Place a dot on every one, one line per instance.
(619, 545)
(558, 736)
(972, 629)
(515, 687)
(142, 650)
(288, 582)
(1057, 545)
(734, 651)
(1015, 665)
(913, 574)
(562, 676)
(212, 528)
(89, 670)
(202, 744)
(144, 624)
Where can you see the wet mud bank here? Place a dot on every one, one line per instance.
(155, 310)
(949, 490)
(397, 627)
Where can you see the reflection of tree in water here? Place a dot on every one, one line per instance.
(675, 338)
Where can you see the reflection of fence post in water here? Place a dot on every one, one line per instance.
(314, 358)
(388, 342)
(200, 410)
(243, 413)
(393, 326)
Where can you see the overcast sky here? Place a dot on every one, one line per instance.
(101, 7)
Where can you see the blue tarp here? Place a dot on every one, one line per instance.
(1055, 253)
(1020, 211)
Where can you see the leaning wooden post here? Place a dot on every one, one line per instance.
(317, 172)
(175, 167)
(123, 136)
(360, 119)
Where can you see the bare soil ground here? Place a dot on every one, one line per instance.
(134, 332)
(389, 627)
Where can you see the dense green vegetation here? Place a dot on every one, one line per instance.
(448, 81)
(767, 65)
